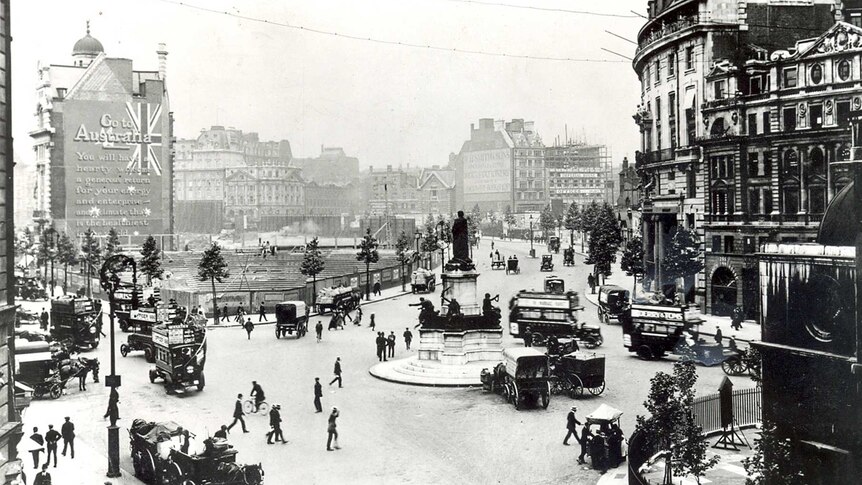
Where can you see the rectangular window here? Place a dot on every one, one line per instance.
(691, 178)
(789, 119)
(767, 123)
(816, 200)
(646, 78)
(815, 112)
(753, 165)
(754, 201)
(690, 125)
(755, 85)
(671, 111)
(767, 164)
(728, 244)
(720, 89)
(748, 245)
(657, 68)
(843, 113)
(671, 175)
(789, 77)
(791, 200)
(671, 64)
(689, 57)
(752, 124)
(716, 244)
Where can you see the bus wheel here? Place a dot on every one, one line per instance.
(644, 352)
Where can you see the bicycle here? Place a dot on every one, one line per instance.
(248, 406)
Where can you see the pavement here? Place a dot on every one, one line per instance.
(389, 433)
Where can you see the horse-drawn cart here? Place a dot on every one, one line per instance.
(575, 372)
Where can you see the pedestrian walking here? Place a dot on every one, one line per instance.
(113, 411)
(584, 442)
(731, 343)
(492, 245)
(37, 445)
(221, 433)
(43, 319)
(337, 371)
(52, 437)
(358, 319)
(737, 317)
(249, 327)
(184, 440)
(238, 414)
(68, 433)
(224, 316)
(528, 337)
(239, 313)
(372, 324)
(332, 430)
(319, 330)
(718, 336)
(318, 393)
(591, 282)
(390, 343)
(275, 425)
(408, 337)
(571, 426)
(377, 288)
(381, 347)
(43, 477)
(261, 314)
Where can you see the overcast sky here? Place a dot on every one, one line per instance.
(384, 104)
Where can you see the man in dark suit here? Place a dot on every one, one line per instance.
(43, 477)
(261, 314)
(381, 347)
(43, 319)
(318, 393)
(238, 414)
(52, 437)
(275, 424)
(221, 433)
(571, 426)
(68, 433)
(224, 314)
(337, 371)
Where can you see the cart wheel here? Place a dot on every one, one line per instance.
(124, 325)
(202, 382)
(56, 391)
(546, 397)
(538, 339)
(153, 376)
(599, 339)
(148, 355)
(645, 352)
(556, 385)
(599, 313)
(577, 389)
(136, 463)
(734, 366)
(595, 391)
(188, 481)
(277, 333)
(516, 398)
(173, 473)
(124, 350)
(264, 408)
(248, 406)
(507, 393)
(148, 466)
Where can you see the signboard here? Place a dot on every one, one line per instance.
(543, 303)
(658, 312)
(487, 171)
(115, 160)
(159, 339)
(143, 316)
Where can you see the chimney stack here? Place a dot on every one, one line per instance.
(163, 60)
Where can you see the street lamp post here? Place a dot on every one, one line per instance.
(110, 280)
(441, 245)
(532, 251)
(52, 252)
(417, 236)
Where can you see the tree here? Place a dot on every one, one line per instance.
(402, 251)
(473, 220)
(212, 267)
(368, 254)
(429, 238)
(605, 240)
(44, 250)
(151, 259)
(632, 260)
(312, 265)
(547, 222)
(91, 254)
(682, 259)
(670, 425)
(773, 462)
(24, 245)
(509, 218)
(586, 222)
(112, 243)
(67, 256)
(571, 221)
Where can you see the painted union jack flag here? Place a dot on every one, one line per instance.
(145, 125)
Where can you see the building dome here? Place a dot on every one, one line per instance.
(87, 46)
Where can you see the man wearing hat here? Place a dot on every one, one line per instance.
(571, 426)
(275, 424)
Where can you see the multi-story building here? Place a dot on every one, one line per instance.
(263, 197)
(773, 154)
(501, 167)
(201, 173)
(629, 201)
(436, 191)
(332, 166)
(577, 173)
(676, 50)
(103, 144)
(10, 419)
(392, 191)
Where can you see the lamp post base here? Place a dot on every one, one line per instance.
(113, 452)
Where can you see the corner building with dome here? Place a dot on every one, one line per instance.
(102, 141)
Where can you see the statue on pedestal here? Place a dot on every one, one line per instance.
(460, 246)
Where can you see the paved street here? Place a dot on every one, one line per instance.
(389, 433)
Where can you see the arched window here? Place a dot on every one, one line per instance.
(791, 163)
(816, 162)
(718, 128)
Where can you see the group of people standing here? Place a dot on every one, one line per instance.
(386, 343)
(605, 447)
(49, 443)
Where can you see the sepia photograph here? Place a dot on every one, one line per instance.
(435, 242)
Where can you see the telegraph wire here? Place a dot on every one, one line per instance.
(547, 9)
(384, 41)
